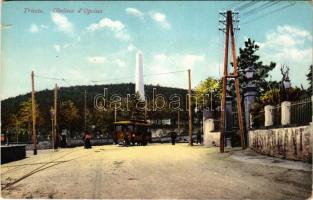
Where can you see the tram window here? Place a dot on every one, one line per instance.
(118, 128)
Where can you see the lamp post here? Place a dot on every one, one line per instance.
(287, 85)
(250, 94)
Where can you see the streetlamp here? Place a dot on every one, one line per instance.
(249, 98)
(287, 85)
(249, 73)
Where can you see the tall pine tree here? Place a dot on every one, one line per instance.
(309, 78)
(248, 58)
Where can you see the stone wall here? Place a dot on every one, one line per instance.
(294, 143)
(211, 139)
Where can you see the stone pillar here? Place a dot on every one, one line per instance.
(269, 115)
(207, 121)
(210, 138)
(249, 98)
(285, 113)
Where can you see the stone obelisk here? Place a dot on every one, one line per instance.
(139, 88)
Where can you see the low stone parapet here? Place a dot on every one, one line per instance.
(211, 139)
(293, 143)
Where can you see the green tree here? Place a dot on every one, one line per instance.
(68, 115)
(24, 117)
(309, 78)
(207, 89)
(248, 58)
(25, 114)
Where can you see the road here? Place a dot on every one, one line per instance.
(154, 171)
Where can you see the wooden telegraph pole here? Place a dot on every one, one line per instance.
(34, 115)
(178, 121)
(230, 31)
(85, 110)
(55, 123)
(189, 107)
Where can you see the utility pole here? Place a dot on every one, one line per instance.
(115, 113)
(229, 31)
(34, 115)
(85, 109)
(52, 126)
(178, 121)
(189, 107)
(55, 122)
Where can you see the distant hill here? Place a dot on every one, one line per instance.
(44, 98)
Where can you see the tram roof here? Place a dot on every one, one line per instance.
(132, 122)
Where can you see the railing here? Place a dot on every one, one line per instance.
(276, 112)
(257, 121)
(301, 112)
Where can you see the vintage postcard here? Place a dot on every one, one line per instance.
(156, 99)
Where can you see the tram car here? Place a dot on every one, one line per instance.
(132, 132)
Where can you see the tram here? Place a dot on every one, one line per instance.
(132, 132)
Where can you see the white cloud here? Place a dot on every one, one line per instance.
(62, 23)
(162, 63)
(57, 48)
(291, 46)
(161, 19)
(131, 47)
(190, 60)
(96, 59)
(116, 26)
(119, 62)
(42, 26)
(134, 12)
(34, 28)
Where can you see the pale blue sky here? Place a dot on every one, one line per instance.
(172, 36)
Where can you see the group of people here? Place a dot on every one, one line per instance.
(60, 141)
(130, 138)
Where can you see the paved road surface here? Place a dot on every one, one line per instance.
(154, 171)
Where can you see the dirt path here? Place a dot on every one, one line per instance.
(154, 171)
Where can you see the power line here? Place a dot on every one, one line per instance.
(260, 8)
(51, 78)
(232, 5)
(179, 71)
(105, 80)
(247, 5)
(269, 13)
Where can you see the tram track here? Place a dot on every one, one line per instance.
(44, 166)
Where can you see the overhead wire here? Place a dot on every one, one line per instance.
(106, 80)
(247, 5)
(269, 13)
(260, 8)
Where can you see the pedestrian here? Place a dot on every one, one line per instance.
(126, 136)
(173, 137)
(63, 138)
(198, 137)
(56, 141)
(87, 138)
(132, 139)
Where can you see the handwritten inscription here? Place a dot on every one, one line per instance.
(86, 11)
